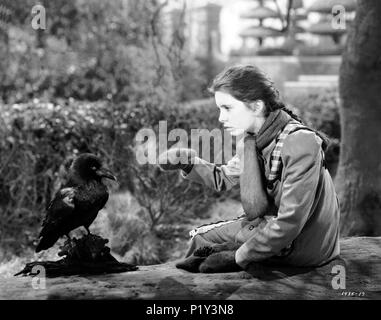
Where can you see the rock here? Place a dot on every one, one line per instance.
(358, 272)
(86, 255)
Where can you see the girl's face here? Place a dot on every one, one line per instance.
(236, 116)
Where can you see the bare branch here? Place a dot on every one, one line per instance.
(156, 39)
(281, 17)
(285, 28)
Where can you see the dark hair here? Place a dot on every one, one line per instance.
(247, 84)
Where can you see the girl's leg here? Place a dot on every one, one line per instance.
(236, 231)
(221, 233)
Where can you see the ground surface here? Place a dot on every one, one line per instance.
(360, 257)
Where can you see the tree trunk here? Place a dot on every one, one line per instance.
(359, 175)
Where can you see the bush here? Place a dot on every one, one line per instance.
(122, 61)
(38, 141)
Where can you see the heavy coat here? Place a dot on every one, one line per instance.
(306, 219)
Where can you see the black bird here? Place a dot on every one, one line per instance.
(78, 202)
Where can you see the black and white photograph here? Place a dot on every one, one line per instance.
(190, 153)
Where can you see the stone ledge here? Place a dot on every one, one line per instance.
(361, 258)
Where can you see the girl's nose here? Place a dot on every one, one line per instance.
(222, 118)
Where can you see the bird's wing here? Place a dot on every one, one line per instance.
(60, 209)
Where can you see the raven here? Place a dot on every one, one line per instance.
(78, 202)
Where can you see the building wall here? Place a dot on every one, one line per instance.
(203, 29)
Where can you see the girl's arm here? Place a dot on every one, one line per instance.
(302, 159)
(219, 178)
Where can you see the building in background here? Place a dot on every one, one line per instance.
(200, 26)
(222, 25)
(203, 29)
(309, 49)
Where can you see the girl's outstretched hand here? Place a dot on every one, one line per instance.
(177, 158)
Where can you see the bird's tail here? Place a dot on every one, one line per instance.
(46, 242)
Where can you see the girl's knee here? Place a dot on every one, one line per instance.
(197, 242)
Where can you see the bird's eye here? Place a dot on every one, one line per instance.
(94, 168)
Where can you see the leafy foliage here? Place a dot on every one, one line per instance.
(99, 72)
(93, 50)
(40, 139)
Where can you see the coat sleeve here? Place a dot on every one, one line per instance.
(301, 159)
(219, 178)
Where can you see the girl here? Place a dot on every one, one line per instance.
(291, 211)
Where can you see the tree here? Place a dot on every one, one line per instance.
(359, 175)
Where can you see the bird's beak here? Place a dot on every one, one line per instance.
(105, 173)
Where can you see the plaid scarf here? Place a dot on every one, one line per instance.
(254, 197)
(275, 159)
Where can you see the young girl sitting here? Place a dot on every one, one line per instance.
(291, 211)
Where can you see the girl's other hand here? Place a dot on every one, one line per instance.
(234, 166)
